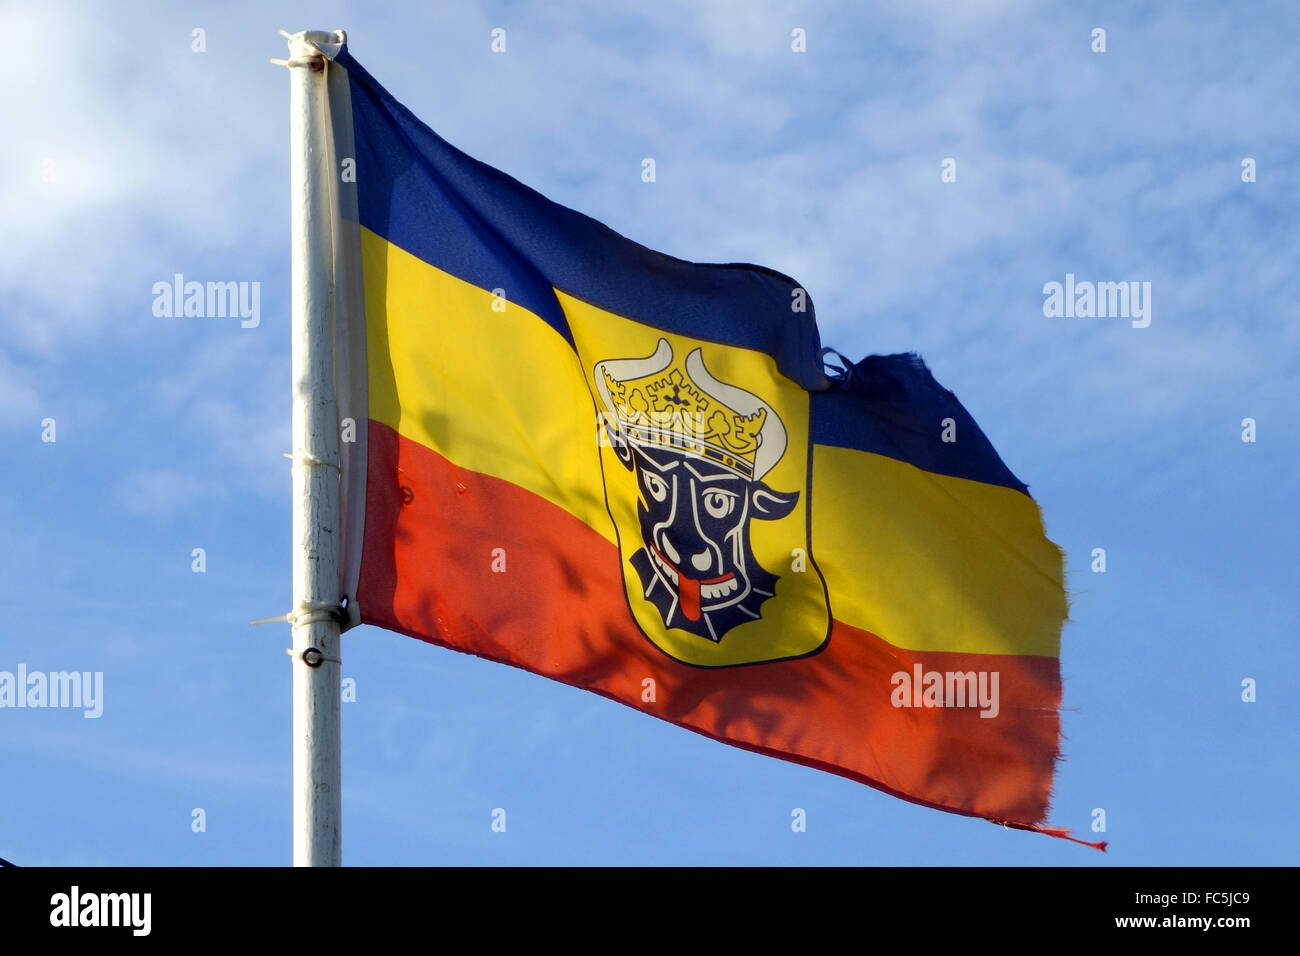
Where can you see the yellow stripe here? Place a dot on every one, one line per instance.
(923, 561)
(933, 563)
(498, 392)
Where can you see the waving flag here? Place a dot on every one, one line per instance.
(634, 474)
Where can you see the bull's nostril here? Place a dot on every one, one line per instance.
(702, 561)
(669, 551)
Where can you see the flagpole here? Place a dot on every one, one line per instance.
(317, 797)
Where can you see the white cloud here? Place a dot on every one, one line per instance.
(824, 165)
(20, 403)
(162, 492)
(155, 149)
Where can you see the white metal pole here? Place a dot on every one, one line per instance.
(317, 796)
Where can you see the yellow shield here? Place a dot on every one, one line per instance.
(704, 452)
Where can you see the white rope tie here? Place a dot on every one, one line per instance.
(311, 461)
(316, 61)
(308, 612)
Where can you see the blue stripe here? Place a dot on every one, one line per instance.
(891, 405)
(478, 224)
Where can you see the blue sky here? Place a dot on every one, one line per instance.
(1123, 165)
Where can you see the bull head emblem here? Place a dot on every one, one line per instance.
(699, 449)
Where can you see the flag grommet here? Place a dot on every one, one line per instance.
(314, 657)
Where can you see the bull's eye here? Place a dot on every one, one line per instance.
(654, 485)
(719, 503)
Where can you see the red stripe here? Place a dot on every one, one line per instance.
(559, 610)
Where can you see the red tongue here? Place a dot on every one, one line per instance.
(689, 589)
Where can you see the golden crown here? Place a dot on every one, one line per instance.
(668, 409)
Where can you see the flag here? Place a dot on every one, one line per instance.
(637, 475)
